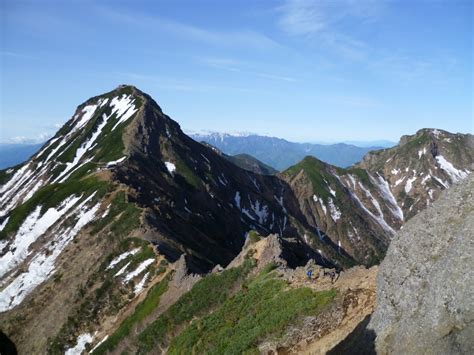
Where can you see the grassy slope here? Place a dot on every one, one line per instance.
(264, 307)
(142, 310)
(206, 294)
(230, 312)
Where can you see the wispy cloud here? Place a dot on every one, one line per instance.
(322, 21)
(303, 17)
(40, 138)
(237, 38)
(234, 65)
(17, 55)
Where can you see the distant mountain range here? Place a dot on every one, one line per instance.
(280, 153)
(13, 154)
(277, 153)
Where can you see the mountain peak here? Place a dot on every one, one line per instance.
(103, 133)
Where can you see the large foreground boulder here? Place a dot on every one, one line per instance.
(425, 286)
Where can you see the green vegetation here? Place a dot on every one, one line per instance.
(4, 177)
(51, 196)
(263, 308)
(70, 152)
(110, 143)
(415, 142)
(145, 308)
(191, 178)
(123, 216)
(316, 172)
(207, 294)
(253, 236)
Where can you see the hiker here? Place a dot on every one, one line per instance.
(309, 273)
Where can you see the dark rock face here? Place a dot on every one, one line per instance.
(206, 205)
(425, 285)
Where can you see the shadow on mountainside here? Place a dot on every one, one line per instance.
(360, 342)
(7, 347)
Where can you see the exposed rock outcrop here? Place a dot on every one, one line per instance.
(425, 286)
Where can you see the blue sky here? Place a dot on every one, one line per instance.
(298, 69)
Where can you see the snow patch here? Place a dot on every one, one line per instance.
(142, 267)
(3, 225)
(430, 193)
(115, 162)
(421, 152)
(352, 180)
(387, 195)
(445, 184)
(399, 181)
(260, 210)
(170, 166)
(106, 212)
(409, 184)
(100, 343)
(139, 287)
(380, 219)
(205, 158)
(81, 151)
(122, 270)
(50, 143)
(321, 202)
(425, 179)
(237, 199)
(88, 113)
(32, 191)
(455, 174)
(30, 230)
(121, 257)
(222, 179)
(335, 212)
(280, 202)
(124, 108)
(42, 266)
(82, 341)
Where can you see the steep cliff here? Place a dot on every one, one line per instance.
(425, 286)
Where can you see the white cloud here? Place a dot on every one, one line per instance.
(17, 55)
(242, 67)
(238, 38)
(315, 16)
(322, 22)
(40, 138)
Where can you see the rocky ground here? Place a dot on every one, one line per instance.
(425, 286)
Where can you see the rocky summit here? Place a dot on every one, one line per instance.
(124, 234)
(425, 285)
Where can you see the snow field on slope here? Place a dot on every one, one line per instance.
(42, 265)
(30, 230)
(455, 174)
(121, 257)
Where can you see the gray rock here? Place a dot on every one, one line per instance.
(425, 286)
